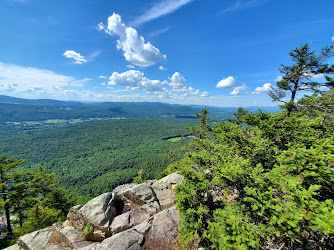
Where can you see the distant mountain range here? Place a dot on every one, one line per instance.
(41, 102)
(51, 102)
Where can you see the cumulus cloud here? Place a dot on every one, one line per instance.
(78, 59)
(178, 82)
(265, 88)
(160, 9)
(162, 68)
(134, 79)
(176, 88)
(332, 39)
(136, 51)
(102, 77)
(236, 90)
(226, 82)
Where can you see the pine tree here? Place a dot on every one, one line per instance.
(301, 75)
(204, 127)
(6, 167)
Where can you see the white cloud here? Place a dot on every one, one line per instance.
(134, 79)
(176, 88)
(160, 9)
(226, 82)
(279, 78)
(130, 66)
(162, 67)
(136, 51)
(27, 77)
(265, 88)
(332, 39)
(236, 90)
(28, 82)
(78, 59)
(178, 82)
(102, 77)
(158, 32)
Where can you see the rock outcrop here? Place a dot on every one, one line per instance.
(131, 217)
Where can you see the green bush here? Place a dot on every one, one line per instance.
(268, 185)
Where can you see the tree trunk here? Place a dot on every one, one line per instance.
(9, 226)
(292, 100)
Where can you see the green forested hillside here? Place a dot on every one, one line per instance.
(94, 157)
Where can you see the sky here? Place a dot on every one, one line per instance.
(224, 53)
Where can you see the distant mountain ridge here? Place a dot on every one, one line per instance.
(41, 102)
(52, 102)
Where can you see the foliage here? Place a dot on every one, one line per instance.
(88, 229)
(301, 75)
(204, 126)
(268, 184)
(39, 217)
(140, 178)
(7, 165)
(95, 157)
(35, 197)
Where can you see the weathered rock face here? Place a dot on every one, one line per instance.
(131, 219)
(137, 196)
(165, 224)
(164, 187)
(98, 212)
(168, 182)
(54, 237)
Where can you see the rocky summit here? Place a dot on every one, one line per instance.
(133, 216)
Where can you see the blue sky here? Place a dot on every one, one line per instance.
(213, 52)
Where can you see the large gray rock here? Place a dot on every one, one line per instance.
(98, 212)
(132, 218)
(144, 227)
(36, 240)
(166, 198)
(61, 246)
(137, 196)
(127, 240)
(53, 238)
(163, 189)
(165, 224)
(123, 187)
(168, 182)
(101, 209)
(74, 237)
(75, 219)
(13, 247)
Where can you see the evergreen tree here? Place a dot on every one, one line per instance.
(6, 167)
(204, 127)
(300, 76)
(266, 185)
